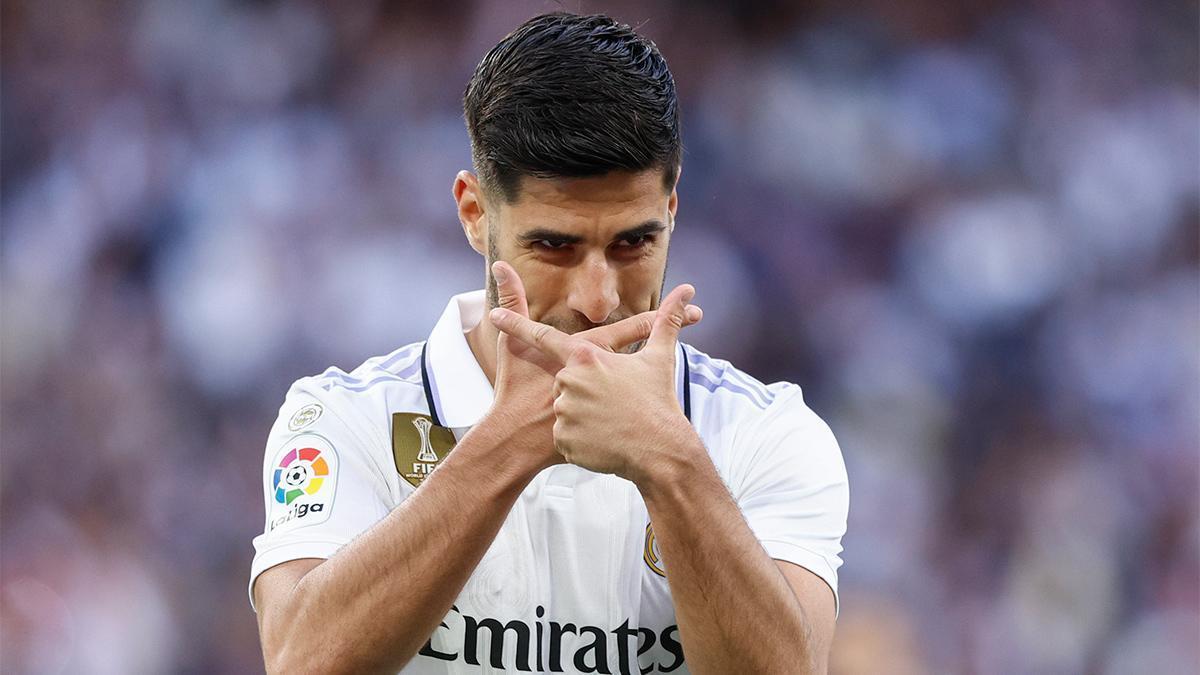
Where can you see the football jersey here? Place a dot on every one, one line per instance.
(574, 581)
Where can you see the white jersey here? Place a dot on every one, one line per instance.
(573, 581)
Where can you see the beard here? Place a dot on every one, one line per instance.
(571, 324)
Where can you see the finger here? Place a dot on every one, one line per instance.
(509, 288)
(630, 330)
(547, 339)
(672, 315)
(560, 439)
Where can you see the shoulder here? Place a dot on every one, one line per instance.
(376, 379)
(401, 367)
(754, 425)
(354, 403)
(717, 387)
(344, 416)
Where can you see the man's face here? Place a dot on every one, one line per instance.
(590, 251)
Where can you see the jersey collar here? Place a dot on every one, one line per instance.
(458, 390)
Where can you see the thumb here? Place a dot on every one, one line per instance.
(671, 318)
(509, 289)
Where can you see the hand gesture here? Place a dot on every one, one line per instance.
(526, 388)
(612, 412)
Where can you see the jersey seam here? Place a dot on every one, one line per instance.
(789, 544)
(306, 542)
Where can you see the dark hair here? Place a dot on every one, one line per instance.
(569, 96)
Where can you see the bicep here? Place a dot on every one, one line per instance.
(274, 588)
(820, 609)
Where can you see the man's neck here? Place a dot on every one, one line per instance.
(482, 341)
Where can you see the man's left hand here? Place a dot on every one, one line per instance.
(615, 413)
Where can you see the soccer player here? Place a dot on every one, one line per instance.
(552, 482)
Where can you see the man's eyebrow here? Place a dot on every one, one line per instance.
(538, 234)
(646, 228)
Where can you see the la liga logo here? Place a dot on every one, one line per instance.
(302, 471)
(301, 482)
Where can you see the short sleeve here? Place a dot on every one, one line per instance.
(320, 486)
(792, 486)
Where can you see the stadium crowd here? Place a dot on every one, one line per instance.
(968, 230)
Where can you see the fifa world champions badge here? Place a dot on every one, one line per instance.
(302, 481)
(419, 446)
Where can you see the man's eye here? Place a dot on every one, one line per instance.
(635, 241)
(550, 244)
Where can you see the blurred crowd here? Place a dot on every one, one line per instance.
(968, 230)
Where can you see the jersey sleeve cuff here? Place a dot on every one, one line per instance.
(285, 552)
(813, 562)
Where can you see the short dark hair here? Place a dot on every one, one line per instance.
(570, 96)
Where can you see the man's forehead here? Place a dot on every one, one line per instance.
(599, 205)
(611, 189)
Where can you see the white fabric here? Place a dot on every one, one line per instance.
(568, 561)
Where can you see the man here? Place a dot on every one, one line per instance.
(605, 498)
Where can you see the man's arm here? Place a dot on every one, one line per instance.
(737, 609)
(374, 604)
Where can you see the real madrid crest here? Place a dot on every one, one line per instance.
(651, 555)
(304, 417)
(418, 446)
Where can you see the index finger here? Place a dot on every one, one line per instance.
(631, 330)
(547, 339)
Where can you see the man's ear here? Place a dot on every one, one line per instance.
(673, 201)
(468, 195)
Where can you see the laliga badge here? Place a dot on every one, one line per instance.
(302, 480)
(419, 446)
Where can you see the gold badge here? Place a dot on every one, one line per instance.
(418, 446)
(651, 555)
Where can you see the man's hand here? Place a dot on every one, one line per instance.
(612, 412)
(525, 374)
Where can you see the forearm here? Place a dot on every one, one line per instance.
(735, 610)
(375, 603)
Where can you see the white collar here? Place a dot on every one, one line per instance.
(457, 386)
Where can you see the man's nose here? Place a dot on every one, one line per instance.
(593, 291)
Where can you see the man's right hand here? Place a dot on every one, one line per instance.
(524, 391)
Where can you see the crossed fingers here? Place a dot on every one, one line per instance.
(660, 328)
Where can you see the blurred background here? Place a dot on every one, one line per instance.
(968, 230)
